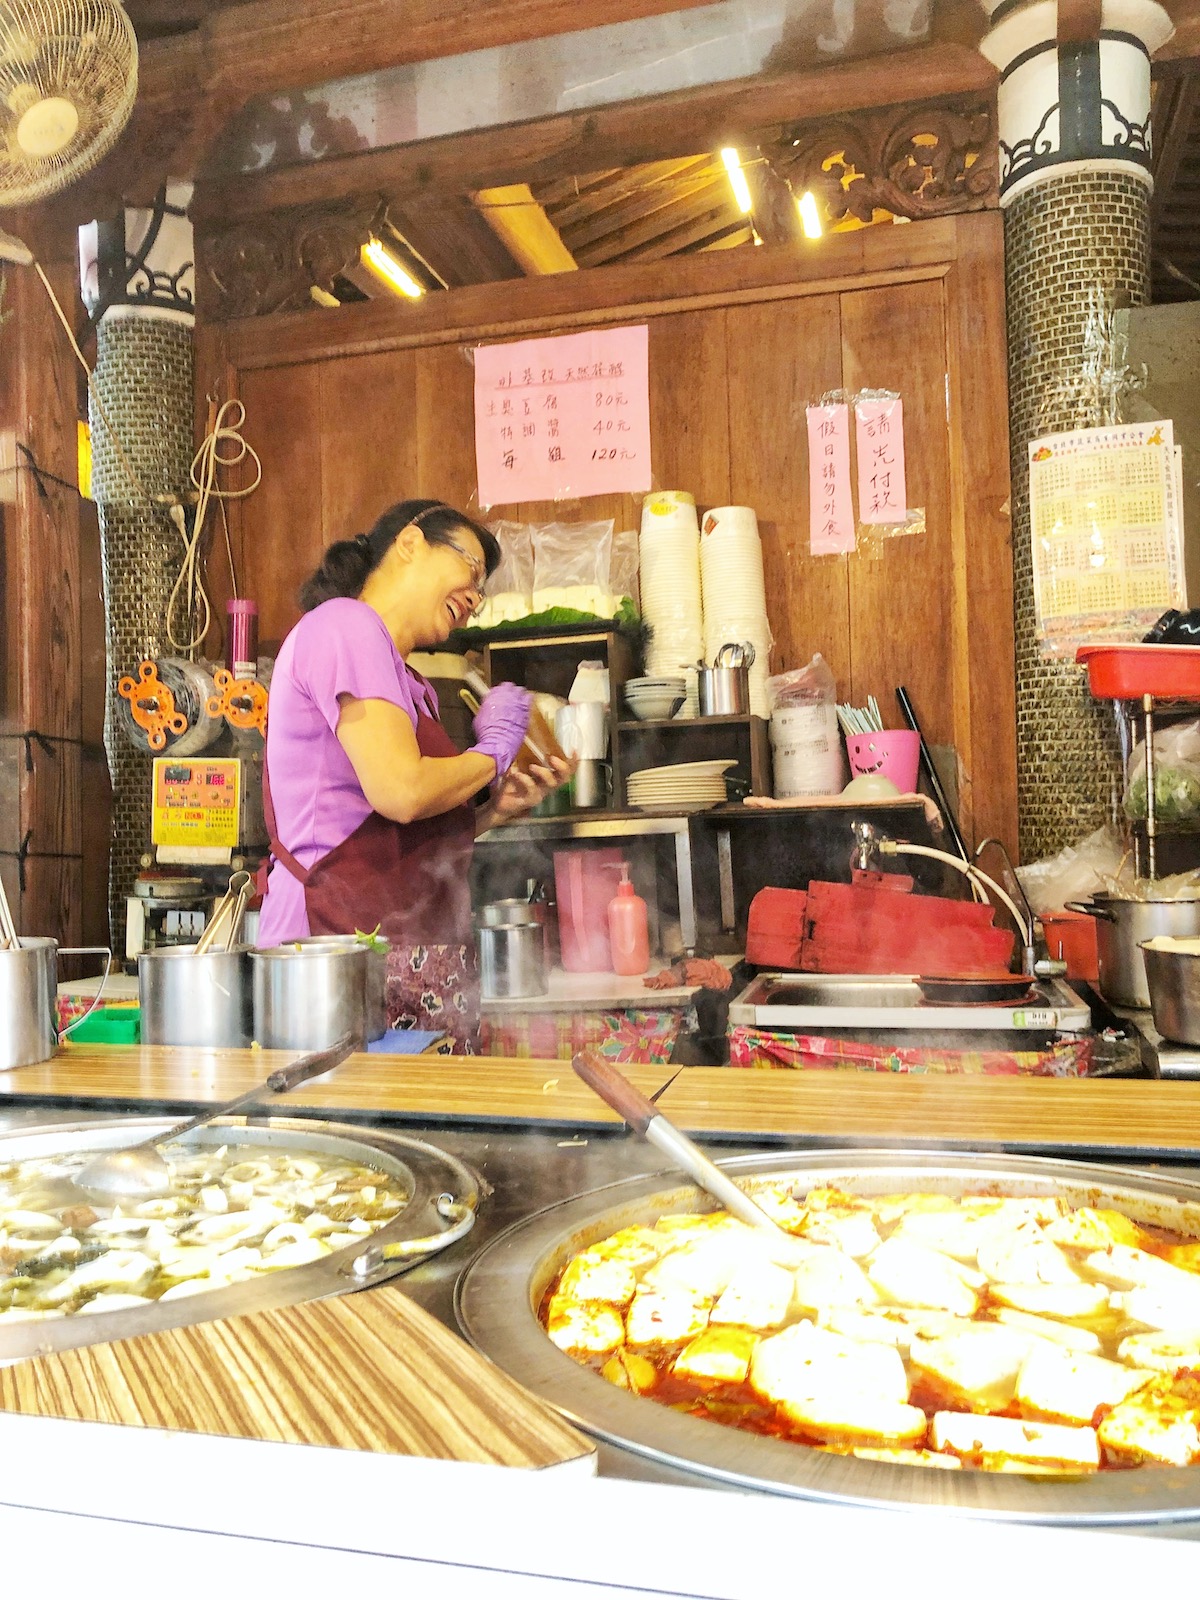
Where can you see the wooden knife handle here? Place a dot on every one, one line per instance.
(311, 1066)
(615, 1089)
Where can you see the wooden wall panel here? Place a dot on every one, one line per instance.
(445, 431)
(281, 536)
(808, 596)
(367, 439)
(901, 590)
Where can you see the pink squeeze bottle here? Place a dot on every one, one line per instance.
(628, 929)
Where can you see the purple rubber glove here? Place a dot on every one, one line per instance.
(501, 723)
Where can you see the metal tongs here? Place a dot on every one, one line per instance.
(8, 928)
(231, 909)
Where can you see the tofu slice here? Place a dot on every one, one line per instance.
(1060, 1333)
(900, 1457)
(718, 1355)
(1161, 1352)
(665, 1317)
(951, 1233)
(1087, 1228)
(1058, 1385)
(759, 1295)
(834, 1389)
(703, 1269)
(1159, 1309)
(1023, 1254)
(976, 1366)
(1160, 1423)
(591, 1276)
(888, 1209)
(827, 1277)
(1067, 1302)
(849, 1415)
(893, 1325)
(637, 1247)
(852, 1232)
(1122, 1268)
(992, 1441)
(584, 1330)
(912, 1275)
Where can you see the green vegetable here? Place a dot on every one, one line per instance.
(1176, 796)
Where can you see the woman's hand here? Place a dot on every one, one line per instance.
(519, 793)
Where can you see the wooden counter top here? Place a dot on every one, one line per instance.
(469, 1087)
(368, 1371)
(1109, 1116)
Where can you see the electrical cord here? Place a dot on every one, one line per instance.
(223, 446)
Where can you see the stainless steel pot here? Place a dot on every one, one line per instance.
(512, 960)
(376, 989)
(498, 1296)
(1122, 926)
(723, 691)
(497, 913)
(1173, 977)
(28, 986)
(196, 999)
(310, 994)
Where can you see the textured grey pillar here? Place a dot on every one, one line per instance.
(1075, 190)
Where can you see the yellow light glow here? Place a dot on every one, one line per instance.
(386, 267)
(84, 451)
(737, 180)
(810, 216)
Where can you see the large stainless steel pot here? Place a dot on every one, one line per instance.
(28, 992)
(190, 999)
(498, 1296)
(1174, 980)
(310, 994)
(1121, 927)
(443, 1198)
(512, 960)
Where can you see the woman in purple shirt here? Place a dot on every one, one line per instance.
(370, 805)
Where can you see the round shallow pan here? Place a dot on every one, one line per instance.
(443, 1197)
(498, 1295)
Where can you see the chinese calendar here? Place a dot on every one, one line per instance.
(563, 418)
(830, 507)
(879, 437)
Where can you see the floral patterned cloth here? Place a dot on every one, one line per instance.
(627, 1038)
(436, 986)
(758, 1047)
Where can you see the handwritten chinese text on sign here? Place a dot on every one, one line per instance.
(879, 437)
(830, 509)
(563, 418)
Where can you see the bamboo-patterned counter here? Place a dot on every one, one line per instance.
(471, 1087)
(1078, 1116)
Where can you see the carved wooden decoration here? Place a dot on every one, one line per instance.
(271, 262)
(911, 161)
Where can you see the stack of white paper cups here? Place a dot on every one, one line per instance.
(669, 576)
(734, 593)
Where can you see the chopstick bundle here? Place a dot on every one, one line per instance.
(855, 719)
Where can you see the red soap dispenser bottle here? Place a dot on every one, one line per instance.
(628, 929)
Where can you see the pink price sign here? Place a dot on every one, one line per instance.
(562, 418)
(830, 508)
(882, 490)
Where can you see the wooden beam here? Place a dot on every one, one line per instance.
(625, 135)
(455, 240)
(524, 229)
(1174, 113)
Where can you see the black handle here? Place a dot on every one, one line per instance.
(311, 1066)
(1101, 913)
(931, 772)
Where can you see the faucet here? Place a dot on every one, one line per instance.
(870, 843)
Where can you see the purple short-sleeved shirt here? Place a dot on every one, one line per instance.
(340, 648)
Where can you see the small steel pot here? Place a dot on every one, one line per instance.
(1122, 927)
(310, 994)
(28, 986)
(500, 913)
(190, 999)
(723, 691)
(512, 961)
(1174, 981)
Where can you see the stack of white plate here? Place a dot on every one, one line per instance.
(669, 578)
(690, 786)
(651, 699)
(734, 593)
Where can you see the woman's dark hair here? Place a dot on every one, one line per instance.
(346, 565)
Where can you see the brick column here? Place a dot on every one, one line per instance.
(1075, 190)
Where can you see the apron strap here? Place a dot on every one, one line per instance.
(279, 852)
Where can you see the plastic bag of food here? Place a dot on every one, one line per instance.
(806, 748)
(623, 567)
(1075, 873)
(510, 587)
(806, 686)
(1176, 777)
(571, 563)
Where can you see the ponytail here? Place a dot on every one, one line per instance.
(341, 575)
(346, 565)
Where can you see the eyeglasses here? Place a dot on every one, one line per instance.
(477, 568)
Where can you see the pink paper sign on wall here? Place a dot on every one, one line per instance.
(561, 418)
(830, 508)
(879, 439)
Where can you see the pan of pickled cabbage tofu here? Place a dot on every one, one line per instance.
(1012, 1337)
(257, 1214)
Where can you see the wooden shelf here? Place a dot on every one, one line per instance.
(659, 724)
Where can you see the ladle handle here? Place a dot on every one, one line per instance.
(311, 1066)
(615, 1089)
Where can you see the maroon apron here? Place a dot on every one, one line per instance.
(410, 881)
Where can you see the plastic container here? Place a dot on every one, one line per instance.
(628, 929)
(895, 753)
(110, 1025)
(583, 887)
(1071, 937)
(1128, 671)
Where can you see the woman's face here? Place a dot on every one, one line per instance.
(448, 585)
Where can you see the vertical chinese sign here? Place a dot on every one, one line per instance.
(879, 438)
(830, 509)
(562, 418)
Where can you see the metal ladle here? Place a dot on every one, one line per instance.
(139, 1172)
(233, 908)
(644, 1117)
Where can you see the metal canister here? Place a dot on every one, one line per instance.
(512, 960)
(310, 994)
(723, 691)
(199, 1000)
(28, 987)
